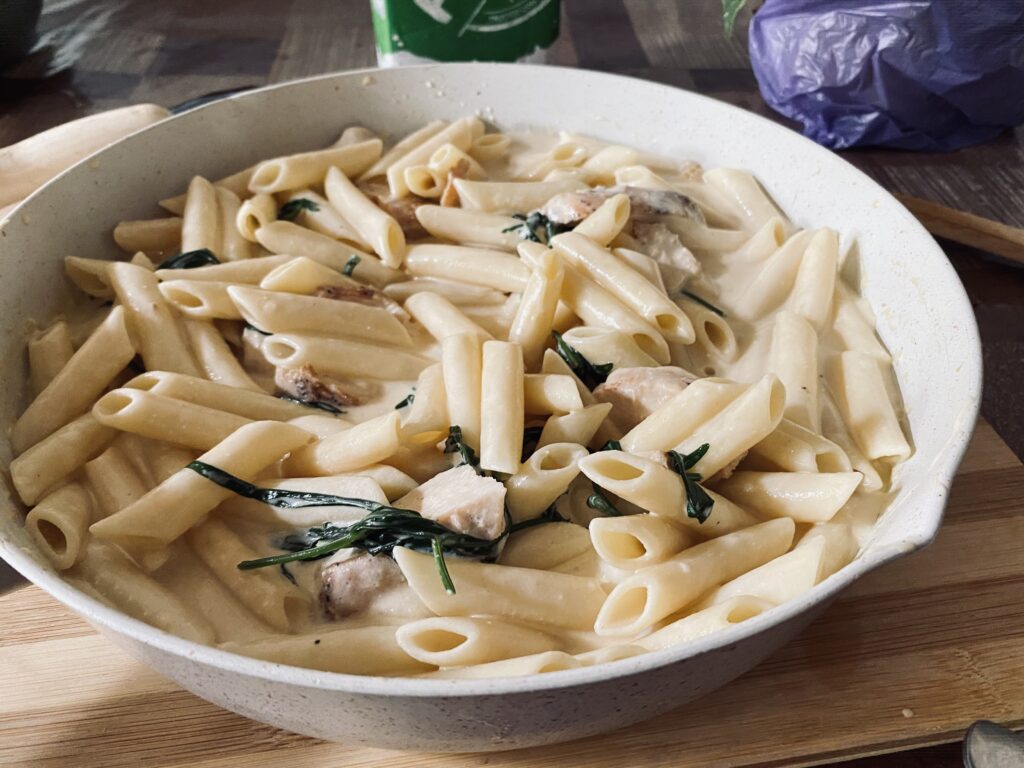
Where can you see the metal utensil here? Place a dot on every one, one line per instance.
(988, 745)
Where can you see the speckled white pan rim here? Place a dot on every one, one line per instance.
(930, 493)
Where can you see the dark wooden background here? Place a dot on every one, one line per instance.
(98, 54)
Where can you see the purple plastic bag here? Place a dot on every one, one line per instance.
(924, 74)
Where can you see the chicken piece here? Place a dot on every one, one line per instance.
(349, 586)
(461, 500)
(401, 209)
(635, 393)
(363, 294)
(307, 385)
(675, 260)
(645, 204)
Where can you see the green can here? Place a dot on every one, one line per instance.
(423, 31)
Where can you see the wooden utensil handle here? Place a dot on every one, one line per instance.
(30, 163)
(967, 228)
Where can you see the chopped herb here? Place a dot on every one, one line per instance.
(260, 331)
(537, 227)
(531, 436)
(703, 302)
(611, 445)
(379, 532)
(591, 375)
(698, 503)
(456, 444)
(288, 574)
(320, 406)
(190, 260)
(597, 500)
(291, 210)
(350, 265)
(407, 401)
(549, 515)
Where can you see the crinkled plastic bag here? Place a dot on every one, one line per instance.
(923, 74)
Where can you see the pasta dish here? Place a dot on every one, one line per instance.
(475, 404)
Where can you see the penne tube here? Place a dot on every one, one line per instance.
(547, 393)
(459, 134)
(461, 641)
(564, 155)
(285, 237)
(274, 312)
(403, 148)
(703, 622)
(165, 419)
(144, 529)
(427, 419)
(265, 592)
(681, 415)
(356, 651)
(215, 358)
(714, 334)
(534, 319)
(424, 182)
(460, 294)
(859, 389)
(322, 217)
(477, 266)
(450, 159)
(461, 367)
(342, 358)
(236, 182)
(625, 284)
(652, 594)
(440, 317)
(304, 276)
(149, 236)
(59, 524)
(541, 479)
(750, 199)
(233, 245)
(201, 299)
(248, 271)
(309, 168)
(599, 308)
(200, 222)
(638, 480)
(774, 281)
(151, 320)
(137, 594)
(811, 297)
(369, 442)
(854, 326)
(601, 346)
(793, 448)
(605, 223)
(583, 426)
(48, 352)
(90, 276)
(490, 146)
(255, 405)
(545, 546)
(805, 497)
(555, 599)
(778, 581)
(501, 406)
(285, 518)
(643, 264)
(633, 542)
(89, 371)
(253, 214)
(373, 224)
(466, 227)
(793, 357)
(54, 458)
(114, 481)
(512, 196)
(737, 427)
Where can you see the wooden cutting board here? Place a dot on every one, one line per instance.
(908, 657)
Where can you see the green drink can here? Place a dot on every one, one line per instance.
(425, 31)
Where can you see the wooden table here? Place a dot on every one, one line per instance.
(100, 54)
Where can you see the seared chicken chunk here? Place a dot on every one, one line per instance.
(366, 295)
(635, 393)
(348, 587)
(401, 209)
(307, 385)
(675, 260)
(462, 500)
(645, 204)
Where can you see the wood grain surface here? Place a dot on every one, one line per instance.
(908, 657)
